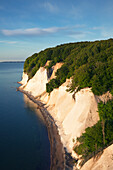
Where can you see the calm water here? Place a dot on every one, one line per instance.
(24, 143)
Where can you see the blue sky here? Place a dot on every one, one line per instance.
(28, 26)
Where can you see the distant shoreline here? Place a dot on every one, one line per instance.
(12, 61)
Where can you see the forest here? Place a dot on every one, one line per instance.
(90, 64)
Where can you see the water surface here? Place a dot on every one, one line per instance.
(24, 143)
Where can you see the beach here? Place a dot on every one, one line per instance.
(57, 152)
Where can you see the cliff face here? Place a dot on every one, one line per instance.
(24, 79)
(72, 115)
(37, 85)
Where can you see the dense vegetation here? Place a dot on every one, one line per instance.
(89, 63)
(98, 136)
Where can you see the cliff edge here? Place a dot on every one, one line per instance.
(72, 112)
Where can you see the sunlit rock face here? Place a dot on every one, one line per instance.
(24, 79)
(37, 85)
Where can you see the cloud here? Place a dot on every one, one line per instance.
(107, 34)
(54, 29)
(8, 42)
(70, 31)
(32, 31)
(50, 7)
(98, 28)
(79, 34)
(79, 26)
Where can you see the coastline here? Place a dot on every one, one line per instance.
(58, 156)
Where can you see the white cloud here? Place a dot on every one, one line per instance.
(32, 31)
(98, 28)
(70, 31)
(54, 29)
(8, 42)
(77, 36)
(79, 26)
(80, 35)
(104, 31)
(107, 34)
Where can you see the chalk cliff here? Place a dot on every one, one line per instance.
(24, 79)
(37, 85)
(71, 114)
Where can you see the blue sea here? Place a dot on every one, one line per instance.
(24, 143)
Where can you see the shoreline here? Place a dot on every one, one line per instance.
(58, 153)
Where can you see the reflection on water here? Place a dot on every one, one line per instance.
(29, 104)
(24, 143)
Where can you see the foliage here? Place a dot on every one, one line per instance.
(54, 83)
(106, 110)
(90, 141)
(89, 63)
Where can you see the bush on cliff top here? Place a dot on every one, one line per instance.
(90, 64)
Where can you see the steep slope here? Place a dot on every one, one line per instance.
(71, 114)
(37, 85)
(24, 79)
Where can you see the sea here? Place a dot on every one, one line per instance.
(24, 143)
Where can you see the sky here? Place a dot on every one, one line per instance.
(29, 26)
